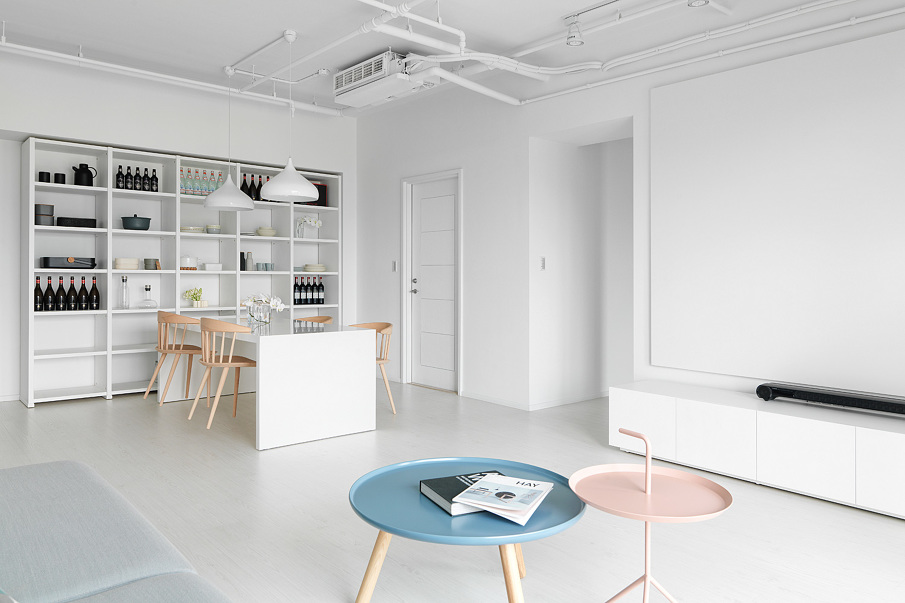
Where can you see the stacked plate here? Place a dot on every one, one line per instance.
(191, 229)
(314, 268)
(125, 264)
(266, 231)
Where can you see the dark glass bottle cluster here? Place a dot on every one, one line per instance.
(62, 300)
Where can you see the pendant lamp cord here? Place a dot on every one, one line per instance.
(229, 129)
(290, 101)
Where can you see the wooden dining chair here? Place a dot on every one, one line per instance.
(213, 356)
(384, 332)
(324, 320)
(173, 345)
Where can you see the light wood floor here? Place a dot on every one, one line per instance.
(276, 525)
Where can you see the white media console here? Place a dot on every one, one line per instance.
(843, 456)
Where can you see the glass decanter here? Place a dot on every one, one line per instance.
(147, 302)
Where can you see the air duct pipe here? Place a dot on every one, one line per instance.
(461, 81)
(404, 10)
(66, 59)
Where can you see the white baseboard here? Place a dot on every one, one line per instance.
(565, 401)
(500, 401)
(9, 398)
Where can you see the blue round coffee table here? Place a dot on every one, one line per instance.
(390, 499)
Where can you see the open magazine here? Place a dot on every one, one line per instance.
(514, 498)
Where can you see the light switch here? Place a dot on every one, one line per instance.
(543, 263)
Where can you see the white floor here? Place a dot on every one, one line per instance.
(276, 525)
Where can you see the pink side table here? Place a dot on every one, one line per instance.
(652, 495)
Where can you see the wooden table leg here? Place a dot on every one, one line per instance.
(511, 573)
(521, 560)
(374, 564)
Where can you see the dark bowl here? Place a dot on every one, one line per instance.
(136, 223)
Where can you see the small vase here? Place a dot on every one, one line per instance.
(259, 312)
(201, 303)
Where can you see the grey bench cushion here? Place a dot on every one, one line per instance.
(65, 533)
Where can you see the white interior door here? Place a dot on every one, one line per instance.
(433, 286)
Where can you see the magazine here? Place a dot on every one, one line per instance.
(442, 490)
(513, 498)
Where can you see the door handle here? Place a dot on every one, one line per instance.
(414, 291)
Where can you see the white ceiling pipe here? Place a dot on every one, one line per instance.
(282, 80)
(365, 27)
(502, 62)
(264, 48)
(408, 14)
(722, 53)
(726, 31)
(416, 38)
(66, 59)
(461, 81)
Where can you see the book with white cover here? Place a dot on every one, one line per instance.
(513, 498)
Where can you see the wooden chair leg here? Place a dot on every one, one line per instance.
(236, 393)
(188, 374)
(154, 376)
(170, 378)
(217, 397)
(204, 379)
(209, 392)
(387, 383)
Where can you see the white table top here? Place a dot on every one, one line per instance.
(279, 326)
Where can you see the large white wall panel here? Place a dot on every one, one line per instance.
(777, 216)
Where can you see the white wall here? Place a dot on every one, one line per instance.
(58, 101)
(777, 238)
(15, 292)
(616, 176)
(565, 324)
(490, 141)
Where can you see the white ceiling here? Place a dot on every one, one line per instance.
(195, 40)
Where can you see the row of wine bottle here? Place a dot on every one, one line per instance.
(253, 190)
(199, 183)
(306, 291)
(61, 299)
(137, 182)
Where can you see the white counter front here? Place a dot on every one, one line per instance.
(312, 381)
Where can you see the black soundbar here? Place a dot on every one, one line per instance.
(829, 397)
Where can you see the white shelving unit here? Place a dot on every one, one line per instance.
(68, 355)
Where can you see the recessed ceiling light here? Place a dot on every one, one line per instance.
(698, 3)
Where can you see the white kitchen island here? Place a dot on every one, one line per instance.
(311, 382)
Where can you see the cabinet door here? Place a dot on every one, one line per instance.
(807, 456)
(650, 414)
(879, 472)
(717, 438)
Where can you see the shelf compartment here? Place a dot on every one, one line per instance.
(70, 393)
(70, 188)
(141, 348)
(207, 309)
(71, 313)
(143, 233)
(71, 230)
(132, 387)
(69, 353)
(126, 193)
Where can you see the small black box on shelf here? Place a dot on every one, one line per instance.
(321, 196)
(68, 262)
(78, 222)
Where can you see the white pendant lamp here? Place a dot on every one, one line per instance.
(289, 185)
(228, 197)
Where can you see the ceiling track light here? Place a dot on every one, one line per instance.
(698, 3)
(573, 37)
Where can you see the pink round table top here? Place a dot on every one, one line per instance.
(676, 496)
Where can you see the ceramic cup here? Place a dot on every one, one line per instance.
(260, 266)
(268, 266)
(59, 178)
(43, 176)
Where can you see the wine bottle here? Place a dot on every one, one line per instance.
(146, 181)
(94, 296)
(253, 189)
(262, 198)
(296, 294)
(59, 298)
(72, 297)
(83, 292)
(260, 186)
(320, 291)
(39, 295)
(244, 187)
(155, 183)
(120, 178)
(311, 290)
(129, 179)
(48, 297)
